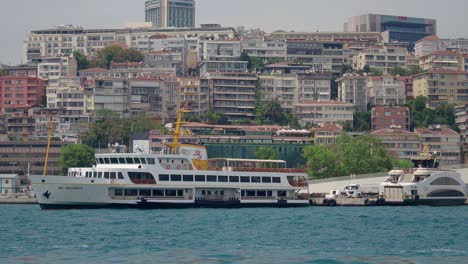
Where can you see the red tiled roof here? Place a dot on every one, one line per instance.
(94, 70)
(441, 131)
(159, 36)
(429, 38)
(391, 131)
(328, 127)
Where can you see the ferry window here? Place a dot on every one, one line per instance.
(129, 160)
(99, 174)
(131, 192)
(445, 181)
(101, 161)
(114, 160)
(112, 175)
(222, 178)
(118, 192)
(255, 179)
(136, 160)
(261, 193)
(143, 160)
(276, 179)
(249, 193)
(180, 192)
(145, 192)
(210, 178)
(87, 174)
(121, 160)
(221, 192)
(175, 177)
(208, 192)
(163, 177)
(203, 192)
(151, 161)
(281, 193)
(269, 193)
(106, 160)
(94, 174)
(266, 179)
(106, 175)
(233, 178)
(446, 193)
(245, 179)
(157, 192)
(121, 177)
(242, 193)
(171, 193)
(200, 178)
(188, 177)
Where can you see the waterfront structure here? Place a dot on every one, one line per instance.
(326, 134)
(20, 92)
(441, 85)
(50, 69)
(23, 157)
(428, 45)
(352, 88)
(399, 142)
(328, 56)
(317, 113)
(232, 94)
(445, 142)
(395, 28)
(384, 58)
(390, 116)
(281, 87)
(170, 13)
(9, 183)
(451, 60)
(386, 90)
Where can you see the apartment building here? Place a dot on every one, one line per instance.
(232, 94)
(170, 13)
(444, 142)
(328, 56)
(51, 69)
(146, 97)
(372, 37)
(352, 88)
(326, 134)
(461, 118)
(442, 85)
(451, 60)
(110, 93)
(316, 113)
(384, 58)
(197, 96)
(264, 49)
(314, 86)
(206, 67)
(400, 143)
(428, 45)
(164, 62)
(390, 117)
(21, 71)
(220, 50)
(386, 90)
(283, 87)
(20, 92)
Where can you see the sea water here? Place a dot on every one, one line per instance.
(284, 235)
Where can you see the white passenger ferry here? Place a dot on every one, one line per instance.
(182, 180)
(425, 185)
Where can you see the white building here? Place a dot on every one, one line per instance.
(9, 183)
(283, 87)
(51, 69)
(265, 49)
(428, 45)
(352, 88)
(386, 90)
(383, 58)
(317, 113)
(214, 50)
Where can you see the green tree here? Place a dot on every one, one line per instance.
(76, 156)
(217, 118)
(321, 162)
(115, 53)
(346, 68)
(415, 69)
(81, 60)
(362, 121)
(366, 69)
(375, 72)
(266, 153)
(402, 164)
(398, 71)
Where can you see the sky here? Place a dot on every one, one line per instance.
(18, 17)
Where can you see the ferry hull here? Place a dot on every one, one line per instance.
(430, 202)
(164, 205)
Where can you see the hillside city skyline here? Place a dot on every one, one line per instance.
(449, 25)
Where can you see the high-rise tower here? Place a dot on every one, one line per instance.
(170, 13)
